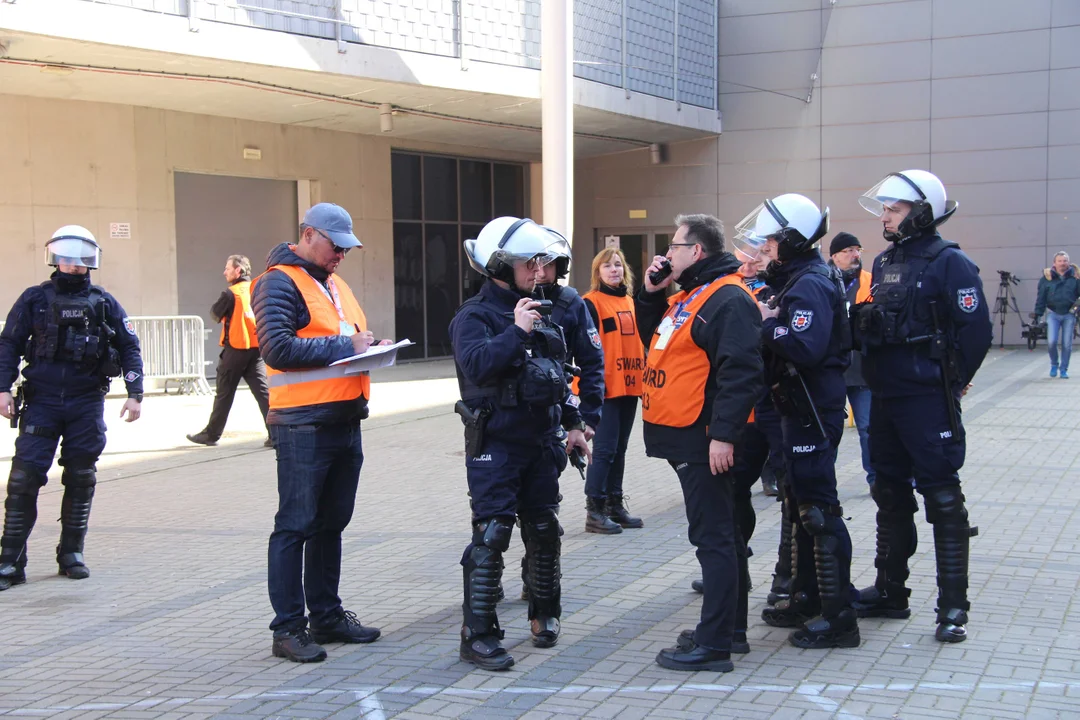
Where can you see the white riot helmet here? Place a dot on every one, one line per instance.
(73, 245)
(793, 220)
(925, 193)
(508, 241)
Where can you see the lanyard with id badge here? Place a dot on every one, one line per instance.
(674, 320)
(345, 328)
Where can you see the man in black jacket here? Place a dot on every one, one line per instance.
(702, 377)
(307, 318)
(1059, 293)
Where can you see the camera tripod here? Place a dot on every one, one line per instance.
(1006, 303)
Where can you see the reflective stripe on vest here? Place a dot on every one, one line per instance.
(315, 386)
(865, 281)
(240, 325)
(675, 376)
(624, 355)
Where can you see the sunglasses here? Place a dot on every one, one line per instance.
(337, 250)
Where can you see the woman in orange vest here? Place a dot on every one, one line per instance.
(611, 304)
(239, 357)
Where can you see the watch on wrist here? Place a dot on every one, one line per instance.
(137, 397)
(579, 425)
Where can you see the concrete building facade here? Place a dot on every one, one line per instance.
(181, 132)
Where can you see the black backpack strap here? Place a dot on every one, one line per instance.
(563, 303)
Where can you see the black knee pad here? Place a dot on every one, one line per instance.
(894, 499)
(24, 479)
(819, 519)
(543, 526)
(945, 505)
(79, 477)
(494, 533)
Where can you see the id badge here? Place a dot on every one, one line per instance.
(664, 331)
(346, 329)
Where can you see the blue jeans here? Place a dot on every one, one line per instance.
(605, 473)
(1060, 325)
(318, 472)
(859, 397)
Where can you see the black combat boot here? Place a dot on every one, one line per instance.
(20, 514)
(952, 537)
(596, 520)
(482, 572)
(617, 510)
(544, 572)
(79, 483)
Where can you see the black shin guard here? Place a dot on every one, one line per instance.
(482, 574)
(20, 514)
(79, 482)
(544, 576)
(952, 535)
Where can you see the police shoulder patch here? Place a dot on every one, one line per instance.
(129, 326)
(801, 319)
(967, 299)
(779, 332)
(573, 400)
(132, 376)
(594, 338)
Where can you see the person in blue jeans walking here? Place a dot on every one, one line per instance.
(1059, 290)
(845, 254)
(611, 305)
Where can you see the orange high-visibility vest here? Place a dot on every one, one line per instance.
(863, 293)
(675, 375)
(239, 326)
(624, 355)
(296, 388)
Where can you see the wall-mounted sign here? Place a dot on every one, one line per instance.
(639, 214)
(119, 231)
(252, 153)
(611, 241)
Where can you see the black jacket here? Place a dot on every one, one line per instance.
(583, 346)
(853, 376)
(728, 329)
(1058, 293)
(279, 312)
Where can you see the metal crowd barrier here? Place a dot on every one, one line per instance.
(173, 350)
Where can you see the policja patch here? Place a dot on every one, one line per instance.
(968, 299)
(129, 326)
(801, 320)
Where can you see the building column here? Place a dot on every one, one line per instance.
(557, 113)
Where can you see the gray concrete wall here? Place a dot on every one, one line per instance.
(984, 93)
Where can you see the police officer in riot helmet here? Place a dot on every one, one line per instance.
(807, 342)
(74, 337)
(923, 334)
(585, 351)
(514, 397)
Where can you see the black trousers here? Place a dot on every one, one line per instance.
(709, 510)
(233, 366)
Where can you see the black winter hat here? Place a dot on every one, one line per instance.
(843, 241)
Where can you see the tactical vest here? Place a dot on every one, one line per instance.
(624, 355)
(893, 314)
(238, 328)
(540, 382)
(74, 329)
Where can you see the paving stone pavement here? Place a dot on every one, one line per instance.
(173, 622)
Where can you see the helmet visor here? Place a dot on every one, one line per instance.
(752, 232)
(78, 251)
(888, 192)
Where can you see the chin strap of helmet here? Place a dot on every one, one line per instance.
(920, 220)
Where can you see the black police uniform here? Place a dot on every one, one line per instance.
(74, 336)
(583, 347)
(928, 311)
(811, 337)
(513, 385)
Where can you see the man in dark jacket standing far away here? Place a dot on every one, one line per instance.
(307, 318)
(703, 374)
